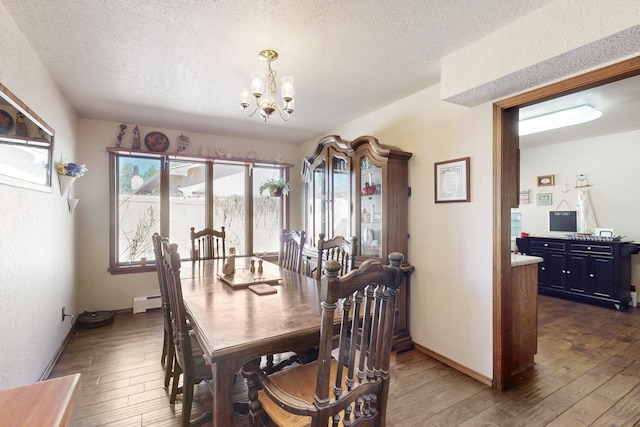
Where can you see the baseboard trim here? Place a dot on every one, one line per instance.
(455, 365)
(52, 363)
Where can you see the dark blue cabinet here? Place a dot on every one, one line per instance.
(590, 271)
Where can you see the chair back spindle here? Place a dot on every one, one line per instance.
(290, 254)
(338, 249)
(207, 243)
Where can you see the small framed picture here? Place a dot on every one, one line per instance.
(452, 180)
(546, 180)
(545, 199)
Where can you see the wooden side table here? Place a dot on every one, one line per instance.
(44, 404)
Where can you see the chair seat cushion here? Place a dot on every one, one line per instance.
(298, 381)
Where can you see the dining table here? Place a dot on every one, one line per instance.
(235, 325)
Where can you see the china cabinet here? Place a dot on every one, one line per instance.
(360, 188)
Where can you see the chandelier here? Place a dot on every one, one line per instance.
(265, 102)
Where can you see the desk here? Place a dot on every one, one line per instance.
(235, 326)
(44, 404)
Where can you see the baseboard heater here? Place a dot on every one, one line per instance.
(142, 304)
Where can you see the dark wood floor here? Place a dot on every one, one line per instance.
(587, 374)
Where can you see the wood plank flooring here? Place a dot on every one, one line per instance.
(587, 373)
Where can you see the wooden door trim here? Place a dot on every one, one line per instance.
(506, 187)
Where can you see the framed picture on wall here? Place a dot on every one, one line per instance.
(545, 199)
(452, 180)
(546, 180)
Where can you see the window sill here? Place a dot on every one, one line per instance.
(129, 269)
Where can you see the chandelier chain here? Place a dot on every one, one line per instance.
(271, 78)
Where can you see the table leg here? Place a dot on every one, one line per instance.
(223, 375)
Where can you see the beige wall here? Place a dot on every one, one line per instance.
(37, 274)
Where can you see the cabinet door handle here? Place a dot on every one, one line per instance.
(568, 271)
(542, 268)
(588, 248)
(564, 271)
(546, 244)
(592, 275)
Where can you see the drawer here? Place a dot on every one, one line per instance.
(592, 248)
(546, 245)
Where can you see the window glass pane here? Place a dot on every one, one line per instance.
(138, 207)
(341, 198)
(187, 202)
(371, 209)
(266, 213)
(319, 203)
(229, 204)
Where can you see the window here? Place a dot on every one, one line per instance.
(137, 208)
(152, 193)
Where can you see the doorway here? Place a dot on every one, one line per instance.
(506, 188)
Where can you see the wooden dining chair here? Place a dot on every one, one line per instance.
(189, 357)
(338, 249)
(350, 384)
(207, 243)
(290, 254)
(168, 352)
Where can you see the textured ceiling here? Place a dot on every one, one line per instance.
(182, 64)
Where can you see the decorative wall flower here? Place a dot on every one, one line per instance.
(70, 169)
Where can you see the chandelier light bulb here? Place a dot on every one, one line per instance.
(287, 90)
(245, 99)
(257, 84)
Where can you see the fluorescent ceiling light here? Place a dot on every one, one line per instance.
(558, 119)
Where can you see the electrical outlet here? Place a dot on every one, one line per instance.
(63, 313)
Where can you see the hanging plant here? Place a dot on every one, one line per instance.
(276, 187)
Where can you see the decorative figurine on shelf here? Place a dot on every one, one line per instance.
(21, 125)
(183, 143)
(121, 134)
(135, 144)
(368, 189)
(365, 217)
(230, 264)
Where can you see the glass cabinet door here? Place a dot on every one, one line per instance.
(370, 209)
(341, 206)
(318, 198)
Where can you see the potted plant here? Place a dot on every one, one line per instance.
(276, 187)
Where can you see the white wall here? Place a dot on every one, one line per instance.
(36, 237)
(99, 289)
(451, 243)
(610, 163)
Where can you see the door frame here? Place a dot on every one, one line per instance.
(506, 184)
